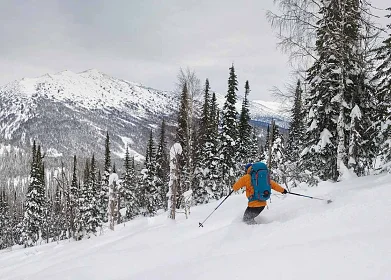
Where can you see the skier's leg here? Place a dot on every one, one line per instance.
(251, 213)
(258, 211)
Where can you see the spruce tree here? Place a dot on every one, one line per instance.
(104, 191)
(245, 129)
(229, 134)
(150, 195)
(320, 154)
(90, 216)
(277, 163)
(34, 205)
(205, 116)
(162, 167)
(96, 220)
(382, 80)
(296, 127)
(5, 221)
(361, 150)
(340, 100)
(84, 197)
(212, 178)
(202, 190)
(214, 119)
(267, 138)
(73, 199)
(183, 137)
(132, 202)
(254, 147)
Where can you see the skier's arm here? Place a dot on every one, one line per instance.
(276, 187)
(244, 181)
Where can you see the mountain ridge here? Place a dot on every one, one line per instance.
(52, 108)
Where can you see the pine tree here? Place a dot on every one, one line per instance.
(34, 205)
(104, 191)
(339, 101)
(5, 221)
(84, 196)
(245, 129)
(162, 167)
(254, 148)
(202, 190)
(214, 118)
(382, 80)
(361, 94)
(96, 220)
(204, 130)
(212, 178)
(296, 127)
(132, 202)
(183, 138)
(150, 195)
(229, 134)
(267, 138)
(277, 156)
(320, 154)
(73, 199)
(90, 216)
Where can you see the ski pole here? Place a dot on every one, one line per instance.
(328, 200)
(202, 224)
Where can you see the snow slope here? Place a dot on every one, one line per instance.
(69, 113)
(299, 238)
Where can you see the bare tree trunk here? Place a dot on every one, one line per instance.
(118, 207)
(112, 204)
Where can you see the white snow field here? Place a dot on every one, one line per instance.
(298, 238)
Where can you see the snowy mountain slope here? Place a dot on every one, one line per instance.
(298, 238)
(69, 113)
(261, 112)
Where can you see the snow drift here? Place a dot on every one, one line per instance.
(297, 238)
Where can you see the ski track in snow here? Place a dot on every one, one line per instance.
(297, 238)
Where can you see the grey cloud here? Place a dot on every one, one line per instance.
(144, 40)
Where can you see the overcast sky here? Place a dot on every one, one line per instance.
(145, 41)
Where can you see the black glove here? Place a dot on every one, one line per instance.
(285, 191)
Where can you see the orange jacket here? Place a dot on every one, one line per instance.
(245, 181)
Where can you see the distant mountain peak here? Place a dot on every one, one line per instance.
(93, 72)
(70, 112)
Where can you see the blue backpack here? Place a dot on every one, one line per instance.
(260, 180)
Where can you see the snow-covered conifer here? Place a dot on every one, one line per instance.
(162, 167)
(129, 185)
(104, 184)
(382, 79)
(245, 130)
(296, 127)
(229, 134)
(183, 137)
(5, 221)
(90, 215)
(149, 193)
(34, 205)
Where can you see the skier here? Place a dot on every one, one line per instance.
(256, 196)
